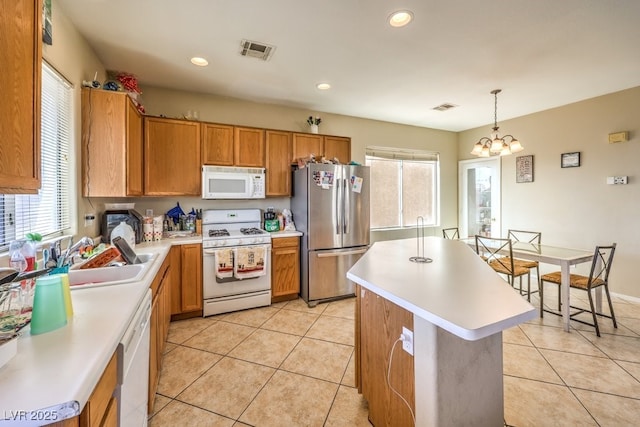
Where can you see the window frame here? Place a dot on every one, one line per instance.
(56, 147)
(402, 155)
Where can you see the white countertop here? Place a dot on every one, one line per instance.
(64, 366)
(285, 233)
(457, 291)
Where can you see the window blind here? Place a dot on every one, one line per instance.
(48, 211)
(401, 154)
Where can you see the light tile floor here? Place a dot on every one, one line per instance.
(291, 365)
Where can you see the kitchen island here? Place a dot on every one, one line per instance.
(457, 308)
(53, 375)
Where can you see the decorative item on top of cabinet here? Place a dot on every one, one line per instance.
(278, 165)
(111, 145)
(172, 157)
(285, 268)
(21, 46)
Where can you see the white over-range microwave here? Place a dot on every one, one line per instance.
(222, 182)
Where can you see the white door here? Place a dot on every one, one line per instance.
(479, 197)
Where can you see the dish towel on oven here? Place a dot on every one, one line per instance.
(249, 262)
(224, 263)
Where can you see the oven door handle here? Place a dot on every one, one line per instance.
(209, 251)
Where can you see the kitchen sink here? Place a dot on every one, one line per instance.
(111, 275)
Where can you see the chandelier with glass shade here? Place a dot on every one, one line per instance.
(494, 144)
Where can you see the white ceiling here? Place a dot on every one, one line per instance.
(541, 53)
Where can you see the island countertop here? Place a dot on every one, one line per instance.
(457, 291)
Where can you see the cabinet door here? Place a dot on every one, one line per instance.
(191, 259)
(154, 368)
(340, 148)
(21, 59)
(285, 268)
(134, 150)
(111, 145)
(249, 147)
(217, 144)
(176, 280)
(306, 144)
(172, 157)
(278, 163)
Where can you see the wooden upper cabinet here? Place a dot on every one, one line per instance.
(338, 147)
(21, 59)
(278, 163)
(111, 145)
(248, 147)
(134, 151)
(172, 157)
(217, 144)
(305, 144)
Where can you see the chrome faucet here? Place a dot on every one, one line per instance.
(72, 248)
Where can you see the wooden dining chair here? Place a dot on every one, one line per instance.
(533, 237)
(499, 255)
(598, 276)
(451, 233)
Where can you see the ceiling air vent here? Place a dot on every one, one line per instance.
(256, 50)
(444, 107)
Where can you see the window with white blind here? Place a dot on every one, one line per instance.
(48, 212)
(404, 186)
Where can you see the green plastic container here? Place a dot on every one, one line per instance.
(271, 225)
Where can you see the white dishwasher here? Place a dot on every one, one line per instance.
(134, 354)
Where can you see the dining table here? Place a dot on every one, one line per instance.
(547, 254)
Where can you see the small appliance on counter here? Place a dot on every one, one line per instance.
(112, 218)
(271, 222)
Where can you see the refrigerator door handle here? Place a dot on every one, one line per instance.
(334, 254)
(347, 206)
(337, 213)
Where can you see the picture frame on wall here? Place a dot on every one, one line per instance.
(570, 160)
(524, 169)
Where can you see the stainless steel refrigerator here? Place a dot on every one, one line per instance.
(330, 206)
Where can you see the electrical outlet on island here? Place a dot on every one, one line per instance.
(407, 340)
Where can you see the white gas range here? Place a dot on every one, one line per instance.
(236, 261)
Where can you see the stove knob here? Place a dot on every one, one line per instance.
(221, 242)
(240, 241)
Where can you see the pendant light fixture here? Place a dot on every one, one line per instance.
(494, 145)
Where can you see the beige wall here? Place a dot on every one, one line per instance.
(575, 207)
(363, 132)
(72, 57)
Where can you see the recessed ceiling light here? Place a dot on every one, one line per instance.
(200, 62)
(323, 86)
(400, 18)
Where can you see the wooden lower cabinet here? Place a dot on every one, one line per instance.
(379, 323)
(285, 268)
(186, 286)
(159, 325)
